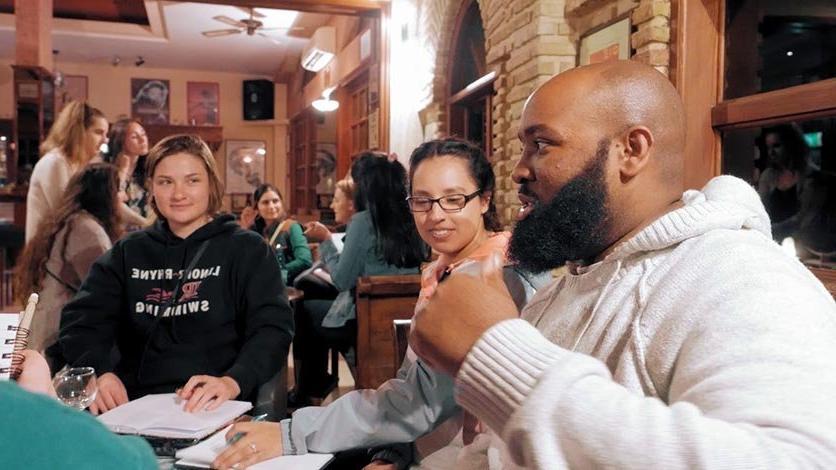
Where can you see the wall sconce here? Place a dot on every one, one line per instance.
(326, 104)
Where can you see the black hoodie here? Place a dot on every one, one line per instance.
(231, 316)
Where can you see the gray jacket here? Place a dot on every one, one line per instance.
(400, 410)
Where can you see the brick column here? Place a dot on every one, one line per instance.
(652, 39)
(33, 33)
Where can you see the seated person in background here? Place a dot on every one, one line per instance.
(83, 226)
(127, 145)
(40, 433)
(194, 301)
(451, 198)
(343, 204)
(269, 219)
(681, 335)
(381, 239)
(782, 182)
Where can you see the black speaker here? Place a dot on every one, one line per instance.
(258, 100)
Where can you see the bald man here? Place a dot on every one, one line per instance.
(681, 337)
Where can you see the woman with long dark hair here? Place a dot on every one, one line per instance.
(54, 263)
(381, 239)
(127, 148)
(269, 219)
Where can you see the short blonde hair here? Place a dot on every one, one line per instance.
(192, 145)
(69, 131)
(347, 187)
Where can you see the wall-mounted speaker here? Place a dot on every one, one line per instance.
(258, 100)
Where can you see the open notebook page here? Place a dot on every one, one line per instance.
(8, 330)
(202, 455)
(162, 415)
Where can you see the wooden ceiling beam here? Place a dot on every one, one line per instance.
(331, 7)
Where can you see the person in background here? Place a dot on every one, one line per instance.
(127, 147)
(74, 139)
(343, 204)
(381, 239)
(681, 335)
(194, 303)
(40, 433)
(782, 182)
(270, 220)
(82, 227)
(451, 199)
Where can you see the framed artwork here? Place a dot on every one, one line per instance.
(203, 103)
(149, 100)
(610, 42)
(244, 165)
(74, 87)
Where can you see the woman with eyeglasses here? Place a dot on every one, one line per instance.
(451, 199)
(380, 240)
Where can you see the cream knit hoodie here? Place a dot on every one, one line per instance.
(697, 343)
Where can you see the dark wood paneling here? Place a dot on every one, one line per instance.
(115, 11)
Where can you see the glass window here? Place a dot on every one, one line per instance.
(775, 44)
(793, 167)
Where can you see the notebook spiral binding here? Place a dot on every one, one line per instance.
(20, 341)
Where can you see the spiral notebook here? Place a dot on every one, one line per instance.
(12, 340)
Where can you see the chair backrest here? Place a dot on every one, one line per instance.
(379, 301)
(401, 331)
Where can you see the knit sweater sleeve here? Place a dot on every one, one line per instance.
(302, 257)
(743, 393)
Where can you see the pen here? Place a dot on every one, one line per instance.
(238, 435)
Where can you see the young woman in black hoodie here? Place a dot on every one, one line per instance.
(193, 303)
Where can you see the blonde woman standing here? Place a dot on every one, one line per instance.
(73, 140)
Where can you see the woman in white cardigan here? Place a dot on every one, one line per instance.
(73, 140)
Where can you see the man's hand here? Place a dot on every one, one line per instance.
(207, 392)
(258, 441)
(461, 309)
(111, 394)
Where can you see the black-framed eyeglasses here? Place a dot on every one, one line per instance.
(449, 203)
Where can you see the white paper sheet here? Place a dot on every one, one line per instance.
(202, 455)
(162, 415)
(8, 330)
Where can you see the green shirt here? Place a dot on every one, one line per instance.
(38, 432)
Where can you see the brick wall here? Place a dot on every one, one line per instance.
(527, 42)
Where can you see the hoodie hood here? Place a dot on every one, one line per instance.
(219, 224)
(725, 203)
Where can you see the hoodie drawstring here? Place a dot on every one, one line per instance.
(596, 305)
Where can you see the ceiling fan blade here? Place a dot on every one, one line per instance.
(272, 39)
(229, 21)
(221, 32)
(251, 11)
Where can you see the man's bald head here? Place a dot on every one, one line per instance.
(617, 95)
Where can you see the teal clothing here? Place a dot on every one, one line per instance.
(359, 257)
(293, 252)
(39, 432)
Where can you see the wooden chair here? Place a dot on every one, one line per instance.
(380, 300)
(401, 331)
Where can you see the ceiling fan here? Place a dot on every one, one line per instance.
(250, 25)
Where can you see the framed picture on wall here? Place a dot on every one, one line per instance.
(149, 100)
(203, 103)
(74, 87)
(611, 42)
(245, 168)
(238, 202)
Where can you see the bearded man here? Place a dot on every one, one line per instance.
(681, 337)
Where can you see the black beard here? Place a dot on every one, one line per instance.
(569, 227)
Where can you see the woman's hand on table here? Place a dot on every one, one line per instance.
(207, 392)
(259, 441)
(316, 232)
(111, 393)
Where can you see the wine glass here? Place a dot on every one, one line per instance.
(76, 386)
